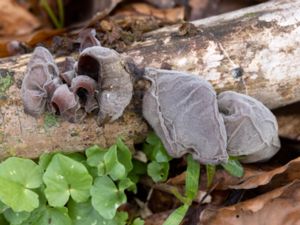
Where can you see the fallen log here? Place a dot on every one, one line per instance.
(253, 51)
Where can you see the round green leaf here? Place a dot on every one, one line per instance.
(112, 164)
(94, 155)
(106, 197)
(46, 215)
(15, 217)
(17, 177)
(158, 171)
(64, 177)
(85, 214)
(124, 155)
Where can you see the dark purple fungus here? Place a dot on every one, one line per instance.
(66, 104)
(41, 69)
(106, 67)
(182, 109)
(85, 88)
(252, 129)
(88, 39)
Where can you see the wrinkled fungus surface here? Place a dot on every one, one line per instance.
(183, 111)
(252, 129)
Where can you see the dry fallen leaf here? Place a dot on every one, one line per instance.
(289, 121)
(278, 207)
(15, 20)
(274, 178)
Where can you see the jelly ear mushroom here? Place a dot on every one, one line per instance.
(115, 87)
(88, 38)
(252, 129)
(182, 109)
(41, 69)
(85, 88)
(67, 104)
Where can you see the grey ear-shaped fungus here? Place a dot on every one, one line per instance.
(251, 127)
(40, 70)
(67, 104)
(106, 67)
(67, 69)
(85, 88)
(182, 109)
(68, 76)
(88, 39)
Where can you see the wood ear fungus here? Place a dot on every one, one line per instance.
(252, 129)
(183, 111)
(67, 104)
(85, 88)
(41, 70)
(106, 67)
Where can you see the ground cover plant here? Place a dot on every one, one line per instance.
(89, 188)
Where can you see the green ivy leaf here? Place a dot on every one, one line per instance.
(124, 155)
(113, 166)
(210, 173)
(85, 214)
(138, 221)
(17, 178)
(192, 178)
(64, 177)
(233, 167)
(46, 215)
(106, 197)
(177, 216)
(158, 171)
(15, 217)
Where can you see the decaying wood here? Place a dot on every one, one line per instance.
(253, 51)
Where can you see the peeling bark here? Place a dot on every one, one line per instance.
(253, 51)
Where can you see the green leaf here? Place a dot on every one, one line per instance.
(138, 221)
(94, 155)
(158, 171)
(124, 155)
(66, 177)
(126, 183)
(17, 177)
(45, 159)
(233, 167)
(177, 216)
(3, 207)
(95, 159)
(15, 217)
(85, 214)
(210, 173)
(106, 197)
(139, 168)
(155, 150)
(113, 166)
(46, 215)
(192, 178)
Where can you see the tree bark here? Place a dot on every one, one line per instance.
(253, 51)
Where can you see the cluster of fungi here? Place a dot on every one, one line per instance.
(183, 109)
